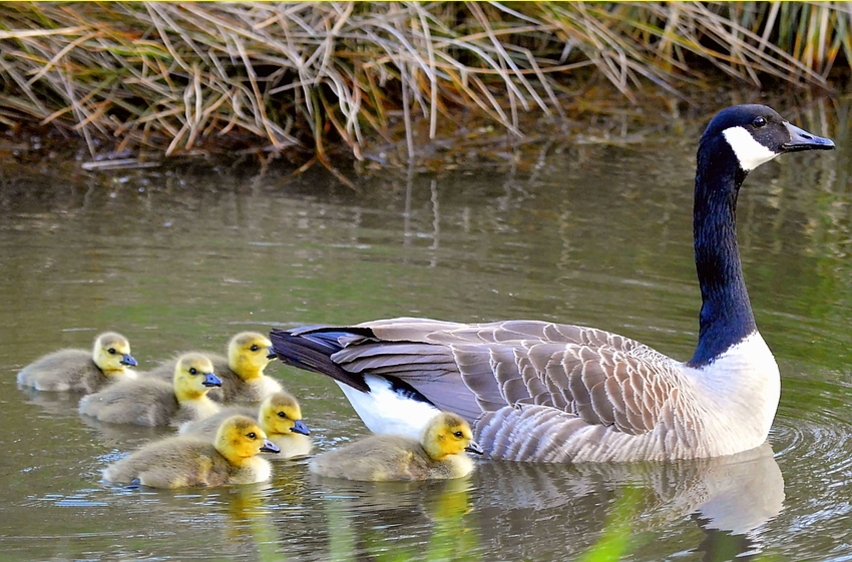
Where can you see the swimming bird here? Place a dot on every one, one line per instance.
(437, 455)
(241, 372)
(179, 461)
(279, 416)
(79, 370)
(546, 392)
(156, 403)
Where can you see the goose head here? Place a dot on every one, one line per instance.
(240, 438)
(111, 353)
(248, 354)
(280, 415)
(756, 134)
(194, 376)
(448, 434)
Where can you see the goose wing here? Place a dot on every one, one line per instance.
(590, 375)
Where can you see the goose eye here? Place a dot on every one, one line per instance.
(193, 371)
(111, 351)
(252, 435)
(458, 434)
(282, 415)
(759, 122)
(255, 347)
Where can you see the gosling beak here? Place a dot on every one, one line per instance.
(272, 355)
(269, 447)
(128, 360)
(803, 140)
(300, 427)
(472, 447)
(211, 379)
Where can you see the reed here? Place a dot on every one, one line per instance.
(176, 78)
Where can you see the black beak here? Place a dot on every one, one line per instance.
(211, 380)
(300, 427)
(269, 447)
(272, 355)
(128, 360)
(472, 447)
(803, 140)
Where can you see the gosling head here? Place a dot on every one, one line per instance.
(111, 353)
(194, 376)
(448, 434)
(248, 354)
(240, 438)
(280, 415)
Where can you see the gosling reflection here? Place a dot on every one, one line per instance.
(430, 520)
(725, 496)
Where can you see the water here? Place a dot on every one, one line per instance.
(598, 235)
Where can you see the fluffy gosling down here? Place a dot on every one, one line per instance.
(182, 461)
(279, 416)
(156, 403)
(438, 456)
(79, 370)
(241, 371)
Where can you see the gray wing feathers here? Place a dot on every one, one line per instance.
(551, 381)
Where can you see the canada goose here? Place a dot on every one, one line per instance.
(179, 461)
(153, 402)
(279, 416)
(241, 371)
(78, 370)
(437, 455)
(538, 391)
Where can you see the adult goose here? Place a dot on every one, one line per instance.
(538, 391)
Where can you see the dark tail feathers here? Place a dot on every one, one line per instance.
(312, 351)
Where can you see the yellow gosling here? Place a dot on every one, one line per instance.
(243, 379)
(279, 416)
(153, 402)
(181, 461)
(439, 454)
(79, 370)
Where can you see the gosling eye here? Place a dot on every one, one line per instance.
(759, 121)
(282, 415)
(111, 351)
(193, 371)
(254, 347)
(251, 435)
(458, 434)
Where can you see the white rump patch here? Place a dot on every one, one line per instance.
(384, 411)
(749, 152)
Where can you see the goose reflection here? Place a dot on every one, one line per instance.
(724, 496)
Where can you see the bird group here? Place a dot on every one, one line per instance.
(230, 418)
(526, 390)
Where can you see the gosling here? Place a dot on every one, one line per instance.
(78, 370)
(156, 403)
(279, 416)
(181, 461)
(438, 456)
(241, 371)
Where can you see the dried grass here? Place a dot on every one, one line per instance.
(176, 77)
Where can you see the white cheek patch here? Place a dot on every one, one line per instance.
(749, 152)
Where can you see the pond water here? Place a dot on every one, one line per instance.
(595, 234)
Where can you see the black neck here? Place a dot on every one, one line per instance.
(726, 317)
